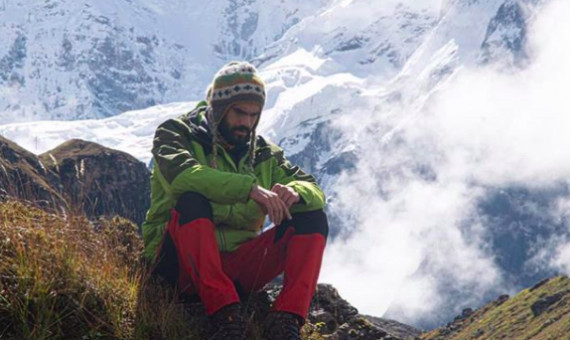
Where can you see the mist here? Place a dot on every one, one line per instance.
(413, 200)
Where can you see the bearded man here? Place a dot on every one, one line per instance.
(213, 183)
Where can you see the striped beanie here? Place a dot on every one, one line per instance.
(236, 81)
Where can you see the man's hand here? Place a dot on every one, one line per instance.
(270, 203)
(286, 194)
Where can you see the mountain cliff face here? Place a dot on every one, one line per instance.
(67, 60)
(63, 59)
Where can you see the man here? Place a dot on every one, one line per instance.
(213, 183)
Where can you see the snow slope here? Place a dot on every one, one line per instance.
(62, 59)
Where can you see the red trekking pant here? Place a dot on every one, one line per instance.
(189, 258)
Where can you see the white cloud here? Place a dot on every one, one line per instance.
(415, 195)
(562, 259)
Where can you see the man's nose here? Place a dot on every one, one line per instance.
(248, 121)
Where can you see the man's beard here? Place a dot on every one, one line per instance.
(233, 139)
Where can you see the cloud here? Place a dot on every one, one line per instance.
(413, 197)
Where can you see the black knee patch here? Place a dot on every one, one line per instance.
(310, 222)
(167, 261)
(191, 206)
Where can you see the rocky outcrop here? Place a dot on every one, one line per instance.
(543, 304)
(330, 316)
(23, 175)
(339, 320)
(79, 176)
(506, 35)
(100, 180)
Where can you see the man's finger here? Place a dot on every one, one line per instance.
(290, 201)
(276, 211)
(281, 212)
(286, 210)
(281, 191)
(270, 210)
(286, 198)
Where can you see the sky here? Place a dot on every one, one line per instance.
(487, 127)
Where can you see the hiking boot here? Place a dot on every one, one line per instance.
(228, 323)
(282, 326)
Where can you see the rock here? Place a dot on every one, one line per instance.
(77, 176)
(467, 312)
(395, 328)
(326, 321)
(24, 176)
(101, 181)
(544, 303)
(539, 284)
(339, 320)
(502, 299)
(361, 329)
(478, 333)
(327, 299)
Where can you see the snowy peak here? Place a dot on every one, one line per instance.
(506, 35)
(92, 59)
(358, 38)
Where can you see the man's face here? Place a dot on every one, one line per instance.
(239, 121)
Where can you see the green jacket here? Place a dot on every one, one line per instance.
(182, 149)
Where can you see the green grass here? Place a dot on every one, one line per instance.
(514, 319)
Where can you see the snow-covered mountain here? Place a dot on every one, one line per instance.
(62, 59)
(415, 116)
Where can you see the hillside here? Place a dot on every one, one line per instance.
(538, 313)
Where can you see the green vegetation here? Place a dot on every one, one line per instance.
(538, 313)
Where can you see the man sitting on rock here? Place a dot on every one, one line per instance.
(214, 181)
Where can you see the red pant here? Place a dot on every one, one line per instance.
(202, 269)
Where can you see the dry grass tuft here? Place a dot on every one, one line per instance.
(66, 277)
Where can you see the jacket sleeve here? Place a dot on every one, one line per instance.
(312, 197)
(181, 169)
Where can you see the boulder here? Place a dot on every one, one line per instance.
(100, 181)
(23, 175)
(77, 176)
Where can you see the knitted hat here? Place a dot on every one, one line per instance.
(236, 81)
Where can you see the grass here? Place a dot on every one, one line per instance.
(514, 318)
(65, 277)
